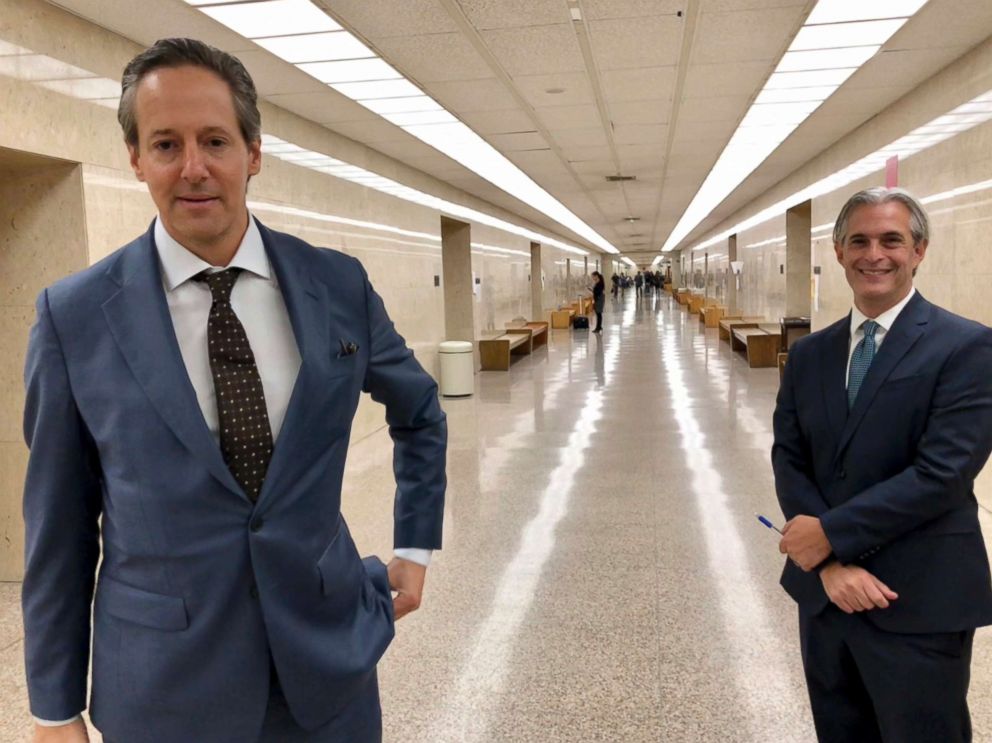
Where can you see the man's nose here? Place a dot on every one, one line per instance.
(874, 250)
(194, 165)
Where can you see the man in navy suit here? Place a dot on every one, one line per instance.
(189, 405)
(882, 423)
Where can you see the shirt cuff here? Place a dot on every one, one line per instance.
(413, 554)
(56, 723)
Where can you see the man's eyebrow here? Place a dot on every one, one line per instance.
(202, 132)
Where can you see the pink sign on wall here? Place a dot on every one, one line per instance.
(892, 172)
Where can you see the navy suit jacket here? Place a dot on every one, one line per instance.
(198, 586)
(892, 480)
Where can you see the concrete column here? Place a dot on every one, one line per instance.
(536, 287)
(732, 300)
(677, 270)
(568, 280)
(42, 239)
(608, 272)
(798, 225)
(456, 266)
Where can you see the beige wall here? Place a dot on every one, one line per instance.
(41, 239)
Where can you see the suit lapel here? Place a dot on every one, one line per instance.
(833, 363)
(908, 328)
(309, 319)
(139, 320)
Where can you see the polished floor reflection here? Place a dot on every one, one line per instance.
(603, 576)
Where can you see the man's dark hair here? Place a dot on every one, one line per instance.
(190, 53)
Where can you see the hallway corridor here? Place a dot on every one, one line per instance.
(604, 577)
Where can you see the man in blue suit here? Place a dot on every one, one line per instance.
(883, 421)
(189, 406)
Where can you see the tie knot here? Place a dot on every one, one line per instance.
(870, 326)
(220, 282)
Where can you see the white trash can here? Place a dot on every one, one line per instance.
(457, 368)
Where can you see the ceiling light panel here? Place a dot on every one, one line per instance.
(826, 59)
(795, 95)
(844, 11)
(323, 47)
(377, 89)
(809, 79)
(350, 71)
(255, 20)
(837, 35)
(408, 104)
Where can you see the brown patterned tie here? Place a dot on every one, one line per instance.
(245, 435)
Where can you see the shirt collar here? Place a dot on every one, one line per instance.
(180, 265)
(885, 320)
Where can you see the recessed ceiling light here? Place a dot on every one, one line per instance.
(272, 18)
(378, 89)
(842, 11)
(321, 47)
(826, 59)
(350, 70)
(554, 91)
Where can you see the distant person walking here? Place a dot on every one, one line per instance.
(598, 290)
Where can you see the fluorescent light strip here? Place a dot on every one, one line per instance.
(296, 155)
(838, 38)
(918, 140)
(371, 82)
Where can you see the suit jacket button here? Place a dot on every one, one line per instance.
(256, 524)
(841, 474)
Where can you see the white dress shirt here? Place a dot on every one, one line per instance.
(885, 321)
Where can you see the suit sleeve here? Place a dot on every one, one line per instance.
(62, 502)
(417, 426)
(954, 447)
(792, 463)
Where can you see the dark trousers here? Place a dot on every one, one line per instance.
(599, 320)
(359, 722)
(868, 686)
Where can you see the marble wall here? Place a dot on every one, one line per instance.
(42, 228)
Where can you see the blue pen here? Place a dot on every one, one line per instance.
(767, 523)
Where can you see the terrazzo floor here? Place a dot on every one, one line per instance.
(603, 576)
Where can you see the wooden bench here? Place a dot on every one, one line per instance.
(562, 318)
(682, 296)
(538, 332)
(759, 344)
(727, 322)
(695, 303)
(711, 316)
(495, 352)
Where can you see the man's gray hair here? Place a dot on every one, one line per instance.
(190, 53)
(919, 223)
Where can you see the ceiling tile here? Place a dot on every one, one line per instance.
(711, 6)
(461, 96)
(714, 80)
(490, 14)
(272, 75)
(703, 131)
(648, 83)
(376, 20)
(536, 161)
(559, 118)
(727, 108)
(906, 67)
(498, 122)
(517, 141)
(961, 23)
(636, 42)
(635, 159)
(641, 112)
(588, 137)
(576, 89)
(434, 57)
(641, 134)
(585, 154)
(600, 168)
(371, 131)
(537, 50)
(599, 9)
(745, 35)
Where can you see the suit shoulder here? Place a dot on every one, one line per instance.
(83, 285)
(962, 327)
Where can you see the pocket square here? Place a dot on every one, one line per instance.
(348, 348)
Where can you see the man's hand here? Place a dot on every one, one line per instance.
(74, 732)
(804, 541)
(407, 579)
(855, 589)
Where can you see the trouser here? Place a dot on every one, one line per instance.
(599, 320)
(871, 686)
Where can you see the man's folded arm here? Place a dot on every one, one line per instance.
(797, 493)
(952, 451)
(417, 426)
(62, 502)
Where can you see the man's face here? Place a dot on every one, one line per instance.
(193, 157)
(878, 256)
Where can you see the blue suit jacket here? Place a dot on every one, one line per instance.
(197, 586)
(892, 480)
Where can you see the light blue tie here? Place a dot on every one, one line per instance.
(861, 359)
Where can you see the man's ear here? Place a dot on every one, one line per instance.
(839, 252)
(254, 157)
(135, 158)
